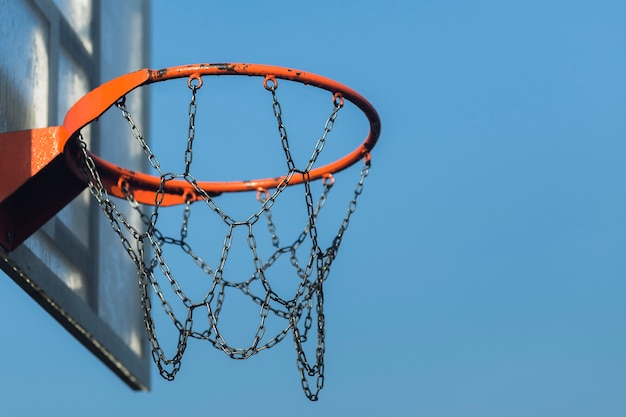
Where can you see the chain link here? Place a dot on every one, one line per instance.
(272, 85)
(144, 244)
(191, 131)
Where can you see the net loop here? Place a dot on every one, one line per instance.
(194, 82)
(328, 180)
(270, 83)
(262, 194)
(338, 99)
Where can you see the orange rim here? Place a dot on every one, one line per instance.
(144, 186)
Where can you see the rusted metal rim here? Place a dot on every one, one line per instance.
(143, 186)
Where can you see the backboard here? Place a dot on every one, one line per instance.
(51, 54)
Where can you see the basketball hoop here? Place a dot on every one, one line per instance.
(178, 191)
(303, 311)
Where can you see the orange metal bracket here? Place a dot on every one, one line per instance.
(36, 182)
(37, 179)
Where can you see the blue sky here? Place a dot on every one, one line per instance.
(484, 271)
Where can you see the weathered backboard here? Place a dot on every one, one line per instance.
(52, 53)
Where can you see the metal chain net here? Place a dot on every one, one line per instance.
(302, 314)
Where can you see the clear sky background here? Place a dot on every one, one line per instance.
(484, 272)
